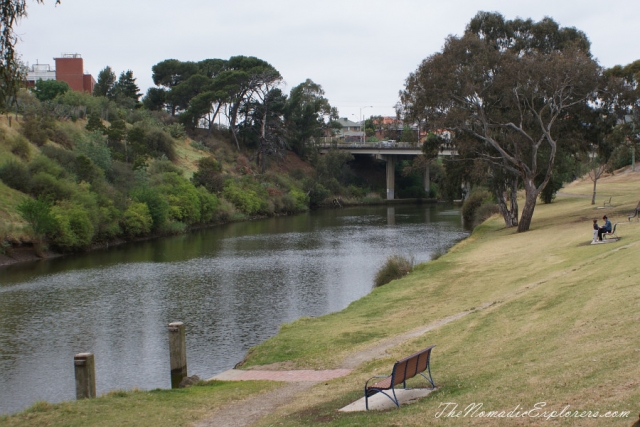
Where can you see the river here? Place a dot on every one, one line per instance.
(232, 285)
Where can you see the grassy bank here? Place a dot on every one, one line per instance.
(554, 320)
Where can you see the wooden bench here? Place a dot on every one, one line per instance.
(403, 370)
(612, 234)
(608, 202)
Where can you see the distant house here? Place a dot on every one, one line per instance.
(69, 69)
(351, 131)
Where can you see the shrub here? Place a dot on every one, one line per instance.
(473, 202)
(50, 187)
(16, 175)
(108, 223)
(20, 147)
(95, 147)
(183, 198)
(158, 206)
(394, 268)
(249, 197)
(208, 204)
(209, 175)
(59, 136)
(356, 192)
(297, 174)
(484, 212)
(73, 229)
(37, 212)
(301, 200)
(176, 130)
(199, 146)
(65, 158)
(226, 211)
(159, 143)
(46, 165)
(137, 220)
(161, 166)
(317, 192)
(174, 227)
(37, 130)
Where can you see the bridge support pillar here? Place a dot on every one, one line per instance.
(391, 176)
(427, 181)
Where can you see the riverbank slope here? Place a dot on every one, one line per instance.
(552, 321)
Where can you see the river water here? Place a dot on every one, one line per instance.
(232, 285)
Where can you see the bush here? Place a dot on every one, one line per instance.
(95, 147)
(60, 137)
(65, 158)
(158, 206)
(136, 220)
(16, 175)
(317, 192)
(50, 187)
(107, 224)
(249, 197)
(484, 212)
(176, 130)
(174, 227)
(226, 211)
(396, 267)
(46, 165)
(297, 174)
(37, 130)
(183, 198)
(159, 143)
(20, 147)
(473, 202)
(301, 200)
(209, 175)
(73, 229)
(208, 204)
(37, 212)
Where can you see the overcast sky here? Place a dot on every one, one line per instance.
(360, 51)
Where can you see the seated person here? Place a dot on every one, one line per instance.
(606, 228)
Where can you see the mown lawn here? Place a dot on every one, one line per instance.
(560, 329)
(563, 329)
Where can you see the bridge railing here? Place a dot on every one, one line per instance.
(381, 145)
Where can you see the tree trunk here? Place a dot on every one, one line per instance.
(531, 197)
(593, 197)
(508, 191)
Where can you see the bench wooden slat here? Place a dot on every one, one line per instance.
(403, 370)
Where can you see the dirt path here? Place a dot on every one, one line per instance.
(247, 412)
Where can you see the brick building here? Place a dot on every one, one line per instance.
(69, 69)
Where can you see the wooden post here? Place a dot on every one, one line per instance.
(177, 353)
(85, 368)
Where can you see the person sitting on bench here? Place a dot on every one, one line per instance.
(606, 228)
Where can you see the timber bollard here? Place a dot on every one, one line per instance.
(85, 368)
(177, 353)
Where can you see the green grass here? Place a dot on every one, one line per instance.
(563, 329)
(181, 407)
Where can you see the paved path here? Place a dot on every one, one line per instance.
(247, 412)
(286, 376)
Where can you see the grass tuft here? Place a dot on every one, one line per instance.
(394, 268)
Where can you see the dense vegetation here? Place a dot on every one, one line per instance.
(86, 169)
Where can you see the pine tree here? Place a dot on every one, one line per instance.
(105, 83)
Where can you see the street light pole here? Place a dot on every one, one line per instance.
(362, 120)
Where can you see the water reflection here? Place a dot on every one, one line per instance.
(231, 285)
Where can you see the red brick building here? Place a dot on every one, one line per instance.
(70, 69)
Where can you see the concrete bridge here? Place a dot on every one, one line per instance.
(390, 152)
